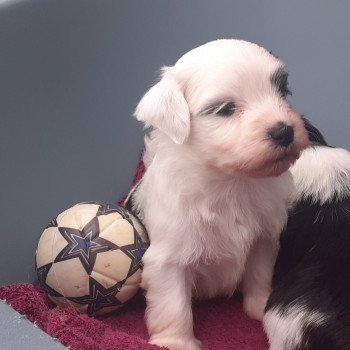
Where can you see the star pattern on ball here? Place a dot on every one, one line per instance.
(84, 244)
(135, 252)
(52, 223)
(42, 273)
(99, 296)
(108, 208)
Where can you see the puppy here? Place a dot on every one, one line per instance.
(309, 307)
(215, 192)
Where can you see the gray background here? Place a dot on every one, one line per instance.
(72, 71)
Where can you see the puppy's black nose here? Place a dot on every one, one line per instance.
(282, 134)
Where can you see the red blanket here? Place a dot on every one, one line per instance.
(220, 323)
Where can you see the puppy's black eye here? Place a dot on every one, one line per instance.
(226, 109)
(222, 109)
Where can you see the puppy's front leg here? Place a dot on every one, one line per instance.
(169, 313)
(257, 279)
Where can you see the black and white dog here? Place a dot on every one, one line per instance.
(309, 307)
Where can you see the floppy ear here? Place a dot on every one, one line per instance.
(165, 108)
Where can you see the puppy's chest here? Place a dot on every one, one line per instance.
(235, 217)
(243, 205)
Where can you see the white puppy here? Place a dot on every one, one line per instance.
(214, 195)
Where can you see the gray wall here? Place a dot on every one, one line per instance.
(72, 71)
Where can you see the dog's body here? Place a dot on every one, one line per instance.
(215, 193)
(309, 307)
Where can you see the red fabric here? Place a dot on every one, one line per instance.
(220, 323)
(139, 171)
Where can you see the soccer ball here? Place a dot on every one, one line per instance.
(90, 257)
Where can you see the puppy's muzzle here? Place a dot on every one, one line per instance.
(281, 134)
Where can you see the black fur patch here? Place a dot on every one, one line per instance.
(315, 136)
(279, 81)
(310, 226)
(313, 271)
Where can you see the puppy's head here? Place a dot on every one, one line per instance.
(226, 102)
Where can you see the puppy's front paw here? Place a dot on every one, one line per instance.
(173, 343)
(254, 306)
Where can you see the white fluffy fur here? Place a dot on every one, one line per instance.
(322, 173)
(285, 330)
(215, 193)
